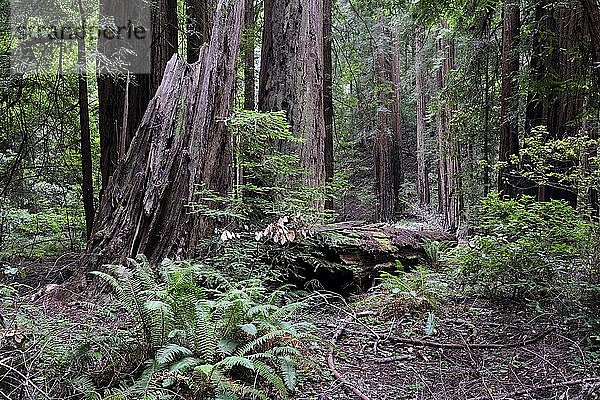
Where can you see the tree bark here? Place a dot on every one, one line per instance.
(249, 43)
(509, 133)
(328, 111)
(199, 15)
(122, 99)
(398, 137)
(164, 38)
(383, 146)
(87, 184)
(423, 190)
(182, 143)
(291, 76)
(449, 182)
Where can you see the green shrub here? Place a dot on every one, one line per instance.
(223, 340)
(523, 248)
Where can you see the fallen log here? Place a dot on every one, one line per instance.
(357, 253)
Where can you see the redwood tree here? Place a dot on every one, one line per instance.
(423, 190)
(509, 133)
(291, 76)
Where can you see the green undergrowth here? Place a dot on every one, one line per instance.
(189, 333)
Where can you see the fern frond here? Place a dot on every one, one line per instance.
(259, 342)
(171, 353)
(271, 377)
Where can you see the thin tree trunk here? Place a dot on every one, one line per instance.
(422, 170)
(398, 139)
(182, 143)
(291, 76)
(328, 111)
(509, 134)
(199, 15)
(87, 184)
(249, 43)
(383, 146)
(450, 188)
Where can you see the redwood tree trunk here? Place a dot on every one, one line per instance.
(291, 76)
(423, 190)
(450, 195)
(509, 133)
(328, 91)
(164, 38)
(384, 138)
(249, 43)
(122, 100)
(87, 184)
(199, 15)
(398, 138)
(182, 142)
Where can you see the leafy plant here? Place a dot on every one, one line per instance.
(524, 248)
(226, 341)
(404, 291)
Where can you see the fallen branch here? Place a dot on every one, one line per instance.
(438, 345)
(330, 359)
(393, 359)
(538, 388)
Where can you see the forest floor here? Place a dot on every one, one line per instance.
(463, 347)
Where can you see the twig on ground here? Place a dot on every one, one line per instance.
(330, 359)
(385, 360)
(418, 342)
(521, 392)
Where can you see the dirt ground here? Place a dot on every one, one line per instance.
(462, 348)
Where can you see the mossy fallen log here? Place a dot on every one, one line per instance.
(361, 252)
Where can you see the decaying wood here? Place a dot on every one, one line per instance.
(371, 245)
(181, 144)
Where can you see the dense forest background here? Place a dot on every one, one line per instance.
(427, 108)
(311, 199)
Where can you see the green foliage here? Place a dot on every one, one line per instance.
(224, 340)
(407, 291)
(523, 248)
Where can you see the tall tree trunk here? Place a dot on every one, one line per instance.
(328, 111)
(591, 11)
(449, 181)
(291, 76)
(87, 184)
(249, 43)
(398, 139)
(164, 39)
(556, 96)
(509, 133)
(423, 190)
(199, 15)
(383, 146)
(182, 143)
(122, 99)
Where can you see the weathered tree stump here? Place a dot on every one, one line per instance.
(181, 143)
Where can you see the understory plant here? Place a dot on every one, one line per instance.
(523, 249)
(206, 337)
